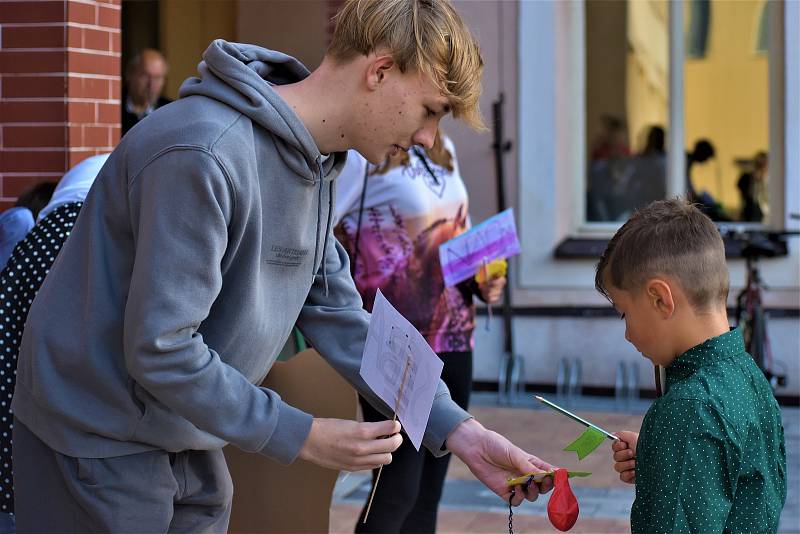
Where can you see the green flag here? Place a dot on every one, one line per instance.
(586, 443)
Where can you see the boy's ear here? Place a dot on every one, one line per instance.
(377, 69)
(660, 296)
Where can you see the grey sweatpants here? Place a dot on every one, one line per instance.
(149, 492)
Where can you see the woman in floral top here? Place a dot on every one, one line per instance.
(393, 217)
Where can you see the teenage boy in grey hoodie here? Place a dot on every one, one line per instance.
(206, 236)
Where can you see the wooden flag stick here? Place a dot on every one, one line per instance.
(396, 407)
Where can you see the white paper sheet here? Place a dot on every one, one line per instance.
(391, 341)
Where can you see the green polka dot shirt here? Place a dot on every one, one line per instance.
(711, 454)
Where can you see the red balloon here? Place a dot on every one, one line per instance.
(563, 506)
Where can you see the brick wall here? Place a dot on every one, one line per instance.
(59, 88)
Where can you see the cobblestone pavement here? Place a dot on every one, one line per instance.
(467, 506)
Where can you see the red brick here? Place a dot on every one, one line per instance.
(96, 40)
(116, 42)
(25, 62)
(80, 112)
(34, 136)
(115, 87)
(32, 111)
(88, 88)
(81, 13)
(76, 156)
(108, 17)
(6, 204)
(88, 63)
(74, 37)
(14, 186)
(33, 37)
(75, 135)
(116, 133)
(108, 113)
(95, 136)
(32, 12)
(34, 86)
(34, 161)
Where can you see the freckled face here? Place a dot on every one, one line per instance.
(404, 111)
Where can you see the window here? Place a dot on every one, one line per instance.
(723, 110)
(697, 34)
(627, 99)
(726, 115)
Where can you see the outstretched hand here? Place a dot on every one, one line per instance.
(346, 445)
(625, 455)
(493, 460)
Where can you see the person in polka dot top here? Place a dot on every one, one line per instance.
(710, 456)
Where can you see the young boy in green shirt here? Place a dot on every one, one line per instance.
(710, 456)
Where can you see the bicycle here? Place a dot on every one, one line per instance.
(750, 314)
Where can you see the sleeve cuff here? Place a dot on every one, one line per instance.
(445, 416)
(289, 435)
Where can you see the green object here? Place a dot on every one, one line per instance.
(296, 343)
(715, 434)
(586, 443)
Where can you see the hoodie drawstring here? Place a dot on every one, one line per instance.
(327, 227)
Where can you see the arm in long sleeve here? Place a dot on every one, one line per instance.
(181, 205)
(685, 471)
(337, 325)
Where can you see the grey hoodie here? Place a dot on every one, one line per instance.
(205, 237)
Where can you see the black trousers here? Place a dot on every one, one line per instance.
(407, 498)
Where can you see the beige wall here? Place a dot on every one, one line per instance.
(726, 95)
(298, 28)
(495, 26)
(186, 29)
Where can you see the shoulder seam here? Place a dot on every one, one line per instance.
(195, 148)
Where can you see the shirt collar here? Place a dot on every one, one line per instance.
(130, 108)
(710, 351)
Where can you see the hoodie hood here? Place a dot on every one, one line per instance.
(241, 76)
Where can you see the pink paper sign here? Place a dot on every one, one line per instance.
(494, 238)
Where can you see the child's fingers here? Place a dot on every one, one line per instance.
(619, 446)
(623, 455)
(629, 477)
(621, 467)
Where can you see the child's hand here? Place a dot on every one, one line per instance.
(625, 455)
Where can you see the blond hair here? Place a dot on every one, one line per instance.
(422, 35)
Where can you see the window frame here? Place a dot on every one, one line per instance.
(675, 125)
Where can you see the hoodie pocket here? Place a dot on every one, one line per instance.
(137, 395)
(84, 471)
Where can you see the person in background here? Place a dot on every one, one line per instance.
(16, 222)
(19, 282)
(144, 80)
(393, 217)
(752, 185)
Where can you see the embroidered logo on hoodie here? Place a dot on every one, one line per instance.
(286, 256)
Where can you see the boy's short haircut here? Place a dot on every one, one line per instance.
(672, 238)
(422, 35)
